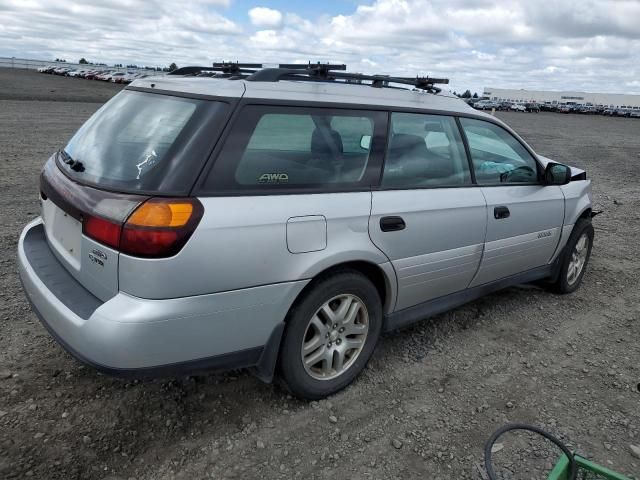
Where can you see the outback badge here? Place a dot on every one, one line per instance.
(98, 257)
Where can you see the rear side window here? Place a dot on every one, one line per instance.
(424, 151)
(297, 147)
(498, 157)
(144, 142)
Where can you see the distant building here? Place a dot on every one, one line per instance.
(615, 100)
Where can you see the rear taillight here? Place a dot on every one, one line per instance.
(157, 228)
(102, 230)
(160, 227)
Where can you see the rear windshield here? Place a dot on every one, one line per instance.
(144, 142)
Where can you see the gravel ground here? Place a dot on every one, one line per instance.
(430, 397)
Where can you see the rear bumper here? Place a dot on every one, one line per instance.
(127, 335)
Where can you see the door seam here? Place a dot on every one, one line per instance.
(484, 243)
(392, 308)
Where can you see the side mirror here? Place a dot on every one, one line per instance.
(365, 142)
(557, 174)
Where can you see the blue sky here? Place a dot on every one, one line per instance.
(308, 9)
(589, 45)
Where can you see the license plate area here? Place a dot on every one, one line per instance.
(64, 233)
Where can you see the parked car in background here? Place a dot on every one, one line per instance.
(92, 74)
(532, 107)
(105, 76)
(486, 105)
(126, 77)
(130, 77)
(586, 109)
(548, 107)
(619, 112)
(117, 77)
(564, 108)
(634, 113)
(479, 104)
(61, 70)
(263, 223)
(518, 107)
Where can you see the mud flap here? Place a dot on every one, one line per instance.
(266, 366)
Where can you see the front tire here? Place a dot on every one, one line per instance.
(331, 333)
(576, 258)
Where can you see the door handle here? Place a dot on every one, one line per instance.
(501, 212)
(392, 224)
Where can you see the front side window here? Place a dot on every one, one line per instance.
(423, 151)
(296, 147)
(497, 156)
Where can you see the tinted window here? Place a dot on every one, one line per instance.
(136, 139)
(497, 156)
(424, 150)
(280, 147)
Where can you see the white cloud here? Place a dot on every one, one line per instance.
(265, 39)
(265, 17)
(587, 45)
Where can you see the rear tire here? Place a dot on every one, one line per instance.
(576, 257)
(331, 333)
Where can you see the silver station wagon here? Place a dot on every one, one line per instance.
(280, 219)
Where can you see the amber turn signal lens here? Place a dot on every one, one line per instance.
(159, 213)
(160, 227)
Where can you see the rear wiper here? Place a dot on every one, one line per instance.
(74, 165)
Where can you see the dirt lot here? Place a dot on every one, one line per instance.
(424, 407)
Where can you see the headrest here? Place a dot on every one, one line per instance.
(326, 142)
(403, 143)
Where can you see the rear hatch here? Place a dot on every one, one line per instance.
(137, 147)
(66, 206)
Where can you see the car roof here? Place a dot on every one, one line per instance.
(300, 90)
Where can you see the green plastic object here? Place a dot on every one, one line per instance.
(586, 470)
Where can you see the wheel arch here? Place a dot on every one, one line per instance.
(383, 278)
(586, 213)
(381, 275)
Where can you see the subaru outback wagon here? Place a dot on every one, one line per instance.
(281, 219)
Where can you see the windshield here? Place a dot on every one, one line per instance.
(139, 141)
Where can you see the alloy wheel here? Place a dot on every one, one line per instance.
(335, 337)
(578, 259)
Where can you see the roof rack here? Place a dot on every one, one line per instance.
(323, 72)
(328, 72)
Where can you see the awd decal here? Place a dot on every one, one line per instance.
(273, 178)
(544, 234)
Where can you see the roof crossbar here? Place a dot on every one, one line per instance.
(378, 81)
(235, 68)
(226, 69)
(317, 69)
(285, 70)
(192, 70)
